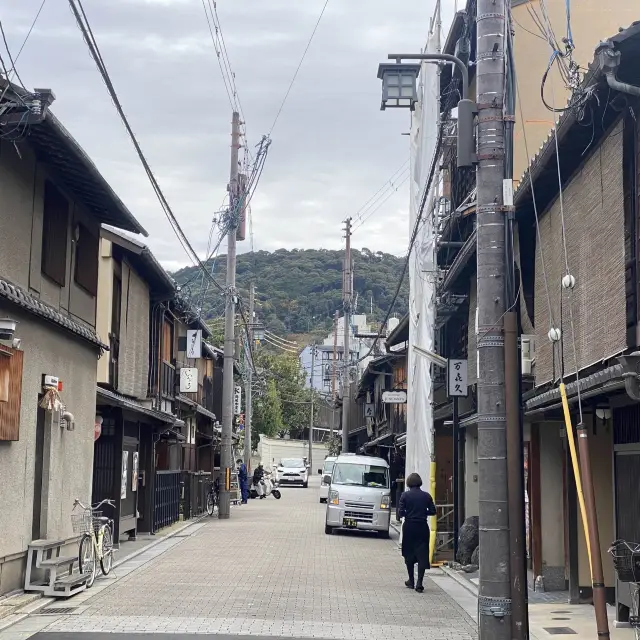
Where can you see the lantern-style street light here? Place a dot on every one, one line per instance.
(399, 90)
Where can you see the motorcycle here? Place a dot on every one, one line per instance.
(269, 488)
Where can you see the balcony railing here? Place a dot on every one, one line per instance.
(167, 380)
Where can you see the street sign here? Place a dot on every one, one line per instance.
(394, 397)
(369, 411)
(457, 378)
(237, 401)
(194, 343)
(188, 380)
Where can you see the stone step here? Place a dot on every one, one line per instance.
(60, 561)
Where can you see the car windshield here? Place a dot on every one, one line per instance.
(292, 463)
(361, 475)
(328, 467)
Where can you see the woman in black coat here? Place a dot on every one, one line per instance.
(415, 507)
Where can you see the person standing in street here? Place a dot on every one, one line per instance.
(243, 480)
(415, 507)
(258, 474)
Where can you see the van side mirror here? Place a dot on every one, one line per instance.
(319, 472)
(327, 479)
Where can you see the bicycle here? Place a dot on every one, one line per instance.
(213, 497)
(96, 541)
(626, 561)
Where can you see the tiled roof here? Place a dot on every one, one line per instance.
(26, 301)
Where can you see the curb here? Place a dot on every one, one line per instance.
(454, 575)
(43, 601)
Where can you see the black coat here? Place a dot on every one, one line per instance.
(415, 507)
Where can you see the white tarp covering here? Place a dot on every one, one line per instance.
(422, 268)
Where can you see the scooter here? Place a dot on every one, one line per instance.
(269, 488)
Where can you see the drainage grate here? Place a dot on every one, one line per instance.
(560, 631)
(555, 612)
(56, 610)
(561, 618)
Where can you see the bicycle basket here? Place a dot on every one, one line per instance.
(626, 560)
(82, 522)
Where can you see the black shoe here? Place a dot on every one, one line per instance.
(419, 588)
(409, 584)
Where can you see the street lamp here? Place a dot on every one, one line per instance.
(399, 85)
(399, 90)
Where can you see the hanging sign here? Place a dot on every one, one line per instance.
(237, 401)
(394, 397)
(194, 343)
(369, 411)
(125, 469)
(188, 380)
(457, 378)
(134, 471)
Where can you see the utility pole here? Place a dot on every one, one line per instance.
(494, 602)
(347, 286)
(248, 414)
(229, 336)
(312, 416)
(334, 364)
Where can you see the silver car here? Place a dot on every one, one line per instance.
(359, 495)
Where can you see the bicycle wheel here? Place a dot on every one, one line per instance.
(633, 612)
(87, 559)
(210, 503)
(106, 562)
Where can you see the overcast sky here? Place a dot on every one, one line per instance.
(332, 147)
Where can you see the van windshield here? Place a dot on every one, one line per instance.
(328, 467)
(361, 475)
(292, 463)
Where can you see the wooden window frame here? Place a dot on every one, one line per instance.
(87, 252)
(55, 231)
(11, 369)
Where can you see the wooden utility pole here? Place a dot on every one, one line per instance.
(494, 601)
(248, 414)
(347, 293)
(226, 453)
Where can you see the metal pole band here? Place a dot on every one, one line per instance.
(495, 208)
(494, 155)
(494, 607)
(490, 343)
(496, 103)
(490, 55)
(491, 419)
(486, 16)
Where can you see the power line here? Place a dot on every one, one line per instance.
(295, 75)
(85, 28)
(387, 183)
(380, 203)
(13, 64)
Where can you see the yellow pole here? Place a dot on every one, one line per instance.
(576, 470)
(434, 519)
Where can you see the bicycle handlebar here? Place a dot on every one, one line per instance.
(93, 507)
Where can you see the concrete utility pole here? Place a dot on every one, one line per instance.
(312, 416)
(226, 453)
(347, 286)
(248, 414)
(494, 601)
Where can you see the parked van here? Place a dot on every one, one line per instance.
(359, 495)
(325, 477)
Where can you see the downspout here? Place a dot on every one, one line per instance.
(609, 61)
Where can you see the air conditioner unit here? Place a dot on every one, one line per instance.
(528, 353)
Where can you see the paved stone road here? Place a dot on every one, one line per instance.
(269, 571)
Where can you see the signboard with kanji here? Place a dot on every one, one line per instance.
(457, 381)
(370, 411)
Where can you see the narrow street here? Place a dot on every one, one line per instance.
(269, 571)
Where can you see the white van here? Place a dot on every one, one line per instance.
(325, 477)
(359, 495)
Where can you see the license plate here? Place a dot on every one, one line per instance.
(350, 523)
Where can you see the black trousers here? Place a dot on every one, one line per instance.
(415, 548)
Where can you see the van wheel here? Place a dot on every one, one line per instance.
(328, 530)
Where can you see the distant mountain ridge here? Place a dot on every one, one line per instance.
(299, 290)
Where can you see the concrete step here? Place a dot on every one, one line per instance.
(60, 561)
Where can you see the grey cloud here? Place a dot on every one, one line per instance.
(332, 147)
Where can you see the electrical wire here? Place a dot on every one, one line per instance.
(414, 235)
(295, 75)
(387, 183)
(13, 63)
(85, 28)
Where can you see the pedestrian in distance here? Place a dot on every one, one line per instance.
(243, 480)
(415, 507)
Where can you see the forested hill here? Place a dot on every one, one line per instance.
(298, 291)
